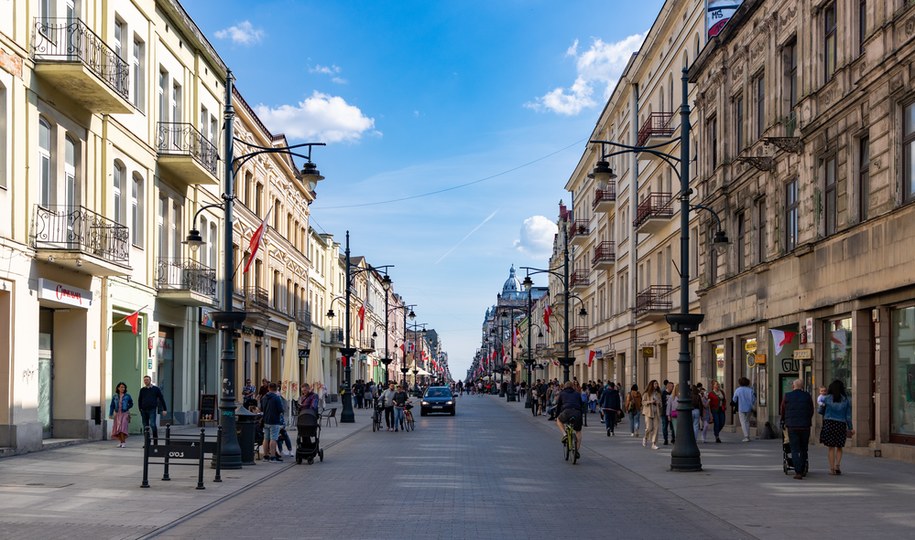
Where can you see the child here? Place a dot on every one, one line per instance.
(821, 399)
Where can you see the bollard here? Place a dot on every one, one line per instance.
(168, 436)
(200, 460)
(218, 454)
(145, 483)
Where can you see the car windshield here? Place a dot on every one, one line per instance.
(438, 392)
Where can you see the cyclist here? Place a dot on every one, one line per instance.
(569, 405)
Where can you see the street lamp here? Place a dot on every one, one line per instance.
(229, 320)
(510, 310)
(685, 454)
(407, 312)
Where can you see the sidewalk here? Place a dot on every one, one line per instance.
(744, 484)
(80, 491)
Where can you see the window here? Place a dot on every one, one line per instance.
(759, 89)
(136, 210)
(44, 162)
(176, 102)
(117, 175)
(204, 120)
(761, 230)
(830, 211)
(838, 355)
(713, 141)
(161, 220)
(791, 215)
(862, 25)
(738, 123)
(70, 171)
(119, 32)
(741, 242)
(259, 200)
(908, 145)
(694, 252)
(864, 163)
(902, 375)
(213, 246)
(175, 230)
(138, 66)
(3, 135)
(214, 128)
(790, 62)
(829, 41)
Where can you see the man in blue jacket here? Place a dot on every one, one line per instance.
(797, 415)
(151, 404)
(272, 408)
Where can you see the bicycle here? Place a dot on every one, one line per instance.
(569, 443)
(376, 418)
(408, 423)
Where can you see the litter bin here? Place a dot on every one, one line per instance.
(245, 424)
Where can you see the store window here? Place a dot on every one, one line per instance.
(838, 352)
(903, 376)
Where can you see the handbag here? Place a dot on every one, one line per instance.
(673, 413)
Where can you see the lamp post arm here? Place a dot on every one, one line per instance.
(669, 159)
(710, 211)
(202, 208)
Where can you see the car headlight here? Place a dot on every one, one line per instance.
(425, 402)
(449, 403)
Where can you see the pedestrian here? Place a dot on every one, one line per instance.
(695, 396)
(744, 397)
(666, 425)
(400, 401)
(272, 407)
(705, 415)
(796, 411)
(836, 411)
(151, 403)
(651, 410)
(119, 410)
(672, 401)
(247, 394)
(610, 407)
(359, 393)
(633, 408)
(387, 400)
(368, 394)
(592, 397)
(716, 403)
(262, 390)
(284, 440)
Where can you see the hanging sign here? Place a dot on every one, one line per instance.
(718, 13)
(61, 293)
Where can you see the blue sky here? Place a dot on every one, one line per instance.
(451, 126)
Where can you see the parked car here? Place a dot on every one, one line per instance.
(437, 399)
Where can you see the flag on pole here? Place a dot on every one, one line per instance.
(547, 313)
(256, 238)
(516, 336)
(361, 317)
(134, 321)
(780, 338)
(591, 355)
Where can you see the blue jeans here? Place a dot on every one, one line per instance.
(799, 441)
(696, 423)
(610, 419)
(150, 419)
(666, 425)
(398, 417)
(718, 418)
(634, 421)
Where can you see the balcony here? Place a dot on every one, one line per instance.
(604, 198)
(303, 323)
(78, 63)
(257, 299)
(579, 280)
(187, 154)
(655, 130)
(604, 256)
(653, 303)
(579, 231)
(78, 238)
(335, 336)
(653, 213)
(579, 335)
(186, 282)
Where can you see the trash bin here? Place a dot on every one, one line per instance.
(245, 424)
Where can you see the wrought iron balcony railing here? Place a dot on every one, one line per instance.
(303, 319)
(654, 298)
(257, 298)
(656, 205)
(579, 278)
(607, 194)
(76, 228)
(185, 275)
(656, 125)
(336, 335)
(579, 227)
(605, 252)
(578, 334)
(71, 40)
(182, 139)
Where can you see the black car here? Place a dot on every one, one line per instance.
(437, 399)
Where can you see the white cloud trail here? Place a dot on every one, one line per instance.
(475, 229)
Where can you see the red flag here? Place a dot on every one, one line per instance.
(361, 317)
(516, 337)
(546, 317)
(134, 321)
(255, 243)
(591, 355)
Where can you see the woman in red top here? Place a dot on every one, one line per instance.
(716, 403)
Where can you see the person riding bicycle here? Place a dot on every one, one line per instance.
(568, 405)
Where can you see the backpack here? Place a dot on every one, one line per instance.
(635, 401)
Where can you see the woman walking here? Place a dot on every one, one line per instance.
(836, 411)
(633, 409)
(119, 410)
(651, 410)
(672, 402)
(716, 401)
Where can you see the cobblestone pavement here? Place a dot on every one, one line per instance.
(484, 473)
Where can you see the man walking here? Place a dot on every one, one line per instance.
(797, 413)
(272, 408)
(151, 402)
(610, 406)
(387, 400)
(744, 397)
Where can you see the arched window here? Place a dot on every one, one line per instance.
(136, 209)
(70, 182)
(44, 162)
(118, 183)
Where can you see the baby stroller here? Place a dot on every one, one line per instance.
(787, 461)
(308, 440)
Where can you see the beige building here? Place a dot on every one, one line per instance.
(809, 109)
(623, 234)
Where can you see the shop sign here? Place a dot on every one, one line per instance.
(803, 354)
(648, 352)
(206, 318)
(64, 294)
(750, 345)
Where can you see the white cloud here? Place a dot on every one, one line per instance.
(598, 69)
(242, 33)
(323, 117)
(333, 71)
(536, 239)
